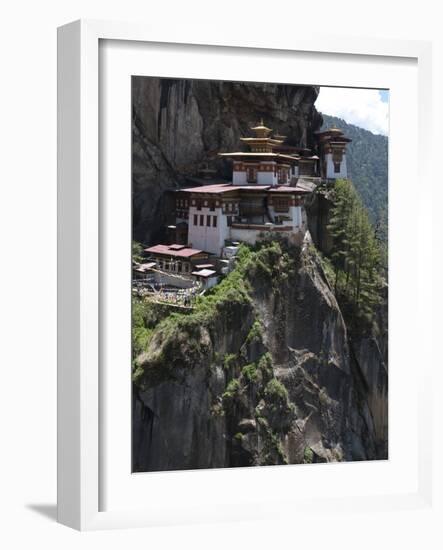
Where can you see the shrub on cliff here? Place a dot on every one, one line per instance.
(276, 393)
(188, 339)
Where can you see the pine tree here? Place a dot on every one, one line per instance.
(355, 255)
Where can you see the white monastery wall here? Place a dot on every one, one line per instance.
(296, 215)
(266, 178)
(330, 173)
(294, 212)
(204, 237)
(251, 236)
(239, 178)
(263, 178)
(244, 235)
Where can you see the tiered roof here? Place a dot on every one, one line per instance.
(262, 146)
(332, 134)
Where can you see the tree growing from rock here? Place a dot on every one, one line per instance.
(355, 255)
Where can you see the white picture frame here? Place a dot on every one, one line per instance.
(80, 419)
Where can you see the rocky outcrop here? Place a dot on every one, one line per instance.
(265, 370)
(180, 124)
(265, 374)
(319, 210)
(368, 350)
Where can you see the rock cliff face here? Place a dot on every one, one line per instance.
(266, 375)
(264, 371)
(180, 124)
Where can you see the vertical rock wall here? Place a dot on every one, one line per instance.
(180, 124)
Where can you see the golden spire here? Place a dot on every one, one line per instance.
(261, 130)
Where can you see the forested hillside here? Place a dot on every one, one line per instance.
(367, 159)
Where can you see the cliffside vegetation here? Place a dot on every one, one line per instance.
(356, 258)
(280, 362)
(258, 373)
(367, 161)
(251, 399)
(265, 264)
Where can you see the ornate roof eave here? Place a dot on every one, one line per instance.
(273, 141)
(251, 154)
(339, 140)
(332, 130)
(311, 158)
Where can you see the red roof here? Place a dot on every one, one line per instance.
(168, 250)
(230, 187)
(288, 189)
(216, 188)
(253, 187)
(283, 189)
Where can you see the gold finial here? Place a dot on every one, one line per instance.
(261, 130)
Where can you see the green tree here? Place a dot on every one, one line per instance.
(137, 252)
(367, 160)
(381, 234)
(356, 255)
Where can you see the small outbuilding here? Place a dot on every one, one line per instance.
(207, 277)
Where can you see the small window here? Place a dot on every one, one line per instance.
(208, 221)
(337, 167)
(252, 175)
(212, 206)
(214, 221)
(202, 219)
(229, 221)
(195, 219)
(199, 204)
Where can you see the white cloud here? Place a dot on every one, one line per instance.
(363, 108)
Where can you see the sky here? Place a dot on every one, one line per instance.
(368, 109)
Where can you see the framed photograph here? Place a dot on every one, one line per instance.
(238, 275)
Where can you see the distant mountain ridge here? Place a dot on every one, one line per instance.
(367, 160)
